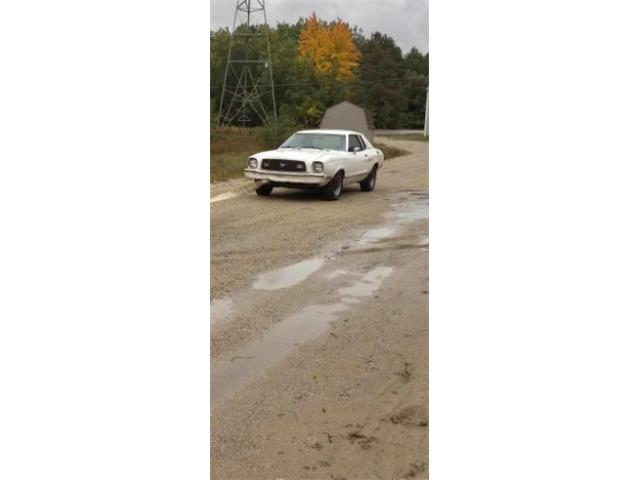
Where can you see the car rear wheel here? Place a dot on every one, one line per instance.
(264, 190)
(369, 183)
(333, 189)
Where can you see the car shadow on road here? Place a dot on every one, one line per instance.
(289, 195)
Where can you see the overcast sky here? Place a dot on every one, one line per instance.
(407, 21)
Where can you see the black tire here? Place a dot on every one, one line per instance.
(264, 190)
(333, 189)
(369, 183)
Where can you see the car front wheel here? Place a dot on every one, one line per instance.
(333, 189)
(264, 190)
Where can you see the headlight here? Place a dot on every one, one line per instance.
(318, 167)
(252, 163)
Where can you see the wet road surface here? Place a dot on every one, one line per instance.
(318, 319)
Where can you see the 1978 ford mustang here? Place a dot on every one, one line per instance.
(323, 159)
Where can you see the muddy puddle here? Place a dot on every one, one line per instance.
(220, 310)
(375, 235)
(365, 286)
(228, 375)
(234, 372)
(413, 209)
(288, 276)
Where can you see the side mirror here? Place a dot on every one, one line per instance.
(356, 149)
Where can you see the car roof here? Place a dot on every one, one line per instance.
(331, 132)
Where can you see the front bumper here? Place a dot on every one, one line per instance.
(306, 178)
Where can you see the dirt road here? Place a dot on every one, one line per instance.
(320, 331)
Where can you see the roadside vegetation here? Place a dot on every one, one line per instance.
(414, 137)
(231, 146)
(317, 63)
(229, 151)
(391, 152)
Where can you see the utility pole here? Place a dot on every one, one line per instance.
(248, 97)
(426, 115)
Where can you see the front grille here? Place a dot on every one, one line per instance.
(284, 165)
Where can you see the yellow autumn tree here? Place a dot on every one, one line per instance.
(331, 48)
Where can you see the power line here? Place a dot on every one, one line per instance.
(348, 82)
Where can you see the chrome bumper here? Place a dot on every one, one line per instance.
(285, 177)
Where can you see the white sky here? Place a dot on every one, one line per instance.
(407, 21)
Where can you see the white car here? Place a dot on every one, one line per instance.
(323, 159)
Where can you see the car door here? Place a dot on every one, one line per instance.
(357, 158)
(368, 156)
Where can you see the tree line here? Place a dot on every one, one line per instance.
(316, 64)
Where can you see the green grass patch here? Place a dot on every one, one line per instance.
(231, 146)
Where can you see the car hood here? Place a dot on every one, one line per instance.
(304, 154)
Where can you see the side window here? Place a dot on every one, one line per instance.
(362, 143)
(354, 142)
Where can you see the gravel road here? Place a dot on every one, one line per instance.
(250, 234)
(320, 329)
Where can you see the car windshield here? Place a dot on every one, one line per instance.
(320, 141)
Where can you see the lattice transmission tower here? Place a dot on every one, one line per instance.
(248, 97)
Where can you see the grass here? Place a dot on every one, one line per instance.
(391, 152)
(230, 148)
(414, 137)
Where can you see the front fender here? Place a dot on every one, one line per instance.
(331, 167)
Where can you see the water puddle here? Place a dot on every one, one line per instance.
(409, 211)
(376, 235)
(220, 310)
(234, 373)
(229, 376)
(413, 211)
(423, 242)
(366, 286)
(223, 196)
(336, 273)
(288, 276)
